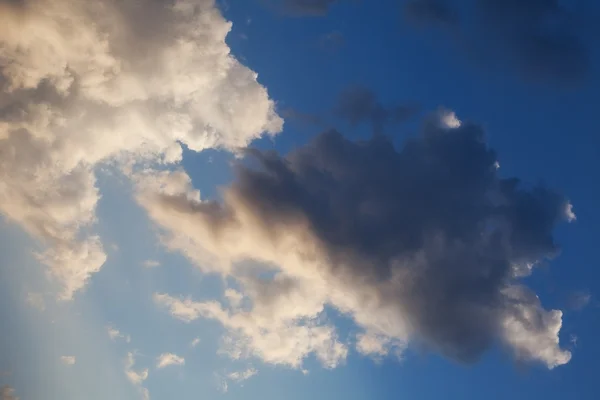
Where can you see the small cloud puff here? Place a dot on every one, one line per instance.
(151, 263)
(115, 334)
(167, 359)
(68, 360)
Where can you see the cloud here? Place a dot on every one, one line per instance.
(431, 12)
(240, 376)
(579, 300)
(545, 39)
(137, 378)
(151, 263)
(115, 334)
(359, 104)
(236, 376)
(305, 8)
(195, 342)
(167, 359)
(275, 340)
(7, 393)
(68, 360)
(88, 84)
(424, 245)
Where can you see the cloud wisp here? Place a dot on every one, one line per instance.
(169, 359)
(136, 377)
(114, 334)
(544, 39)
(424, 245)
(359, 104)
(301, 8)
(68, 360)
(83, 84)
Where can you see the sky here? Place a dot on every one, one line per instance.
(263, 199)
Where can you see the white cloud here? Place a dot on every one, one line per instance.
(448, 119)
(236, 376)
(195, 342)
(115, 334)
(569, 214)
(234, 297)
(68, 360)
(138, 377)
(240, 376)
(278, 341)
(151, 263)
(93, 83)
(372, 345)
(167, 359)
(531, 338)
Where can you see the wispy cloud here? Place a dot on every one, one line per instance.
(151, 263)
(136, 377)
(115, 334)
(237, 377)
(167, 359)
(68, 360)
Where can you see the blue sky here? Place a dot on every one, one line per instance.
(145, 255)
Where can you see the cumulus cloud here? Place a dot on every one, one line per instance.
(7, 393)
(138, 377)
(68, 360)
(359, 104)
(86, 83)
(195, 342)
(544, 38)
(167, 359)
(425, 245)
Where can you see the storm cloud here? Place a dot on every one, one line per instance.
(425, 244)
(359, 104)
(544, 38)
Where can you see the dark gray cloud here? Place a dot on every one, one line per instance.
(543, 37)
(302, 8)
(432, 225)
(425, 244)
(304, 118)
(308, 7)
(359, 104)
(436, 12)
